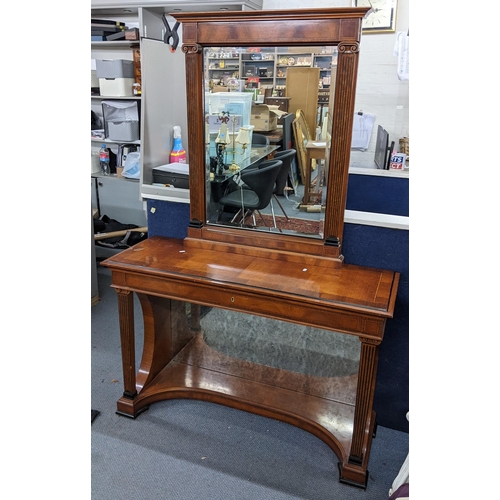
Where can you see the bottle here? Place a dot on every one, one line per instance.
(178, 154)
(104, 160)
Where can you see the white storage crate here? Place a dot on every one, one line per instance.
(116, 87)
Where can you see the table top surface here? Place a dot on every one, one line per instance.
(347, 286)
(274, 136)
(257, 154)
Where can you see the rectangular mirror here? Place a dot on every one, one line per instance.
(244, 72)
(264, 105)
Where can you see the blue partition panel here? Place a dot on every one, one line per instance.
(382, 195)
(167, 218)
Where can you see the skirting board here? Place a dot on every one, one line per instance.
(379, 220)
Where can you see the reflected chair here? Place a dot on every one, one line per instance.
(260, 140)
(286, 156)
(255, 192)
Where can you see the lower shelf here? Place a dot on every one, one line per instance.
(200, 372)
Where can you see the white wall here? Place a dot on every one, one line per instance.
(379, 91)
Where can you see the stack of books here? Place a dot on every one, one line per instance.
(105, 29)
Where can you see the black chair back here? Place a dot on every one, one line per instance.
(260, 140)
(262, 181)
(286, 156)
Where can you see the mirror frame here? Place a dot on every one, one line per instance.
(340, 27)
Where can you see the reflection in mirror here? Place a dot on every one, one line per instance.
(318, 362)
(267, 137)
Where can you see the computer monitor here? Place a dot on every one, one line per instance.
(381, 148)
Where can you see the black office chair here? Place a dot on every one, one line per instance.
(260, 140)
(286, 156)
(256, 186)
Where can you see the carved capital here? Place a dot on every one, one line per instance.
(191, 49)
(348, 48)
(121, 291)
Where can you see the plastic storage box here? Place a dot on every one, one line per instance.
(123, 131)
(116, 87)
(116, 77)
(234, 103)
(121, 120)
(114, 68)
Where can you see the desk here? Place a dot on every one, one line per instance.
(275, 136)
(312, 152)
(304, 290)
(281, 102)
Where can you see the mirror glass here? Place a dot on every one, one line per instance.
(259, 103)
(316, 361)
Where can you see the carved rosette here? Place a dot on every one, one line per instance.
(191, 49)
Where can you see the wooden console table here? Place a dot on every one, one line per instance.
(167, 274)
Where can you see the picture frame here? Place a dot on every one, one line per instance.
(381, 18)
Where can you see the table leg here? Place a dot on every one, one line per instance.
(355, 471)
(166, 332)
(126, 317)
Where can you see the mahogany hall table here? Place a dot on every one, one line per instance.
(171, 276)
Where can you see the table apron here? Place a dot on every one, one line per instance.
(369, 324)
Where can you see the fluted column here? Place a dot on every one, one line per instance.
(343, 111)
(126, 317)
(364, 398)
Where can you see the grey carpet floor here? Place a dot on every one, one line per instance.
(187, 450)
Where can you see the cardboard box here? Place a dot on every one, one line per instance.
(220, 88)
(264, 117)
(132, 34)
